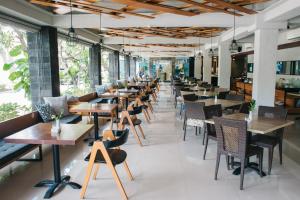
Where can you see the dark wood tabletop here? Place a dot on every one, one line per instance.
(41, 134)
(89, 107)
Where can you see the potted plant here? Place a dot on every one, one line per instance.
(251, 108)
(57, 128)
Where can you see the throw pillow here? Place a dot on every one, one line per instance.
(58, 105)
(100, 89)
(44, 111)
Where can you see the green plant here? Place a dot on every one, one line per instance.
(11, 110)
(59, 116)
(252, 105)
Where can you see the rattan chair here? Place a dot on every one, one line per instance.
(232, 141)
(108, 152)
(178, 93)
(275, 138)
(194, 116)
(210, 133)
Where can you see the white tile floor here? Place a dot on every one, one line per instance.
(165, 168)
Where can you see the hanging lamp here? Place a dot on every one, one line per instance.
(234, 45)
(72, 36)
(100, 32)
(211, 52)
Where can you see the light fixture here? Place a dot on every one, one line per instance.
(234, 45)
(72, 36)
(100, 32)
(211, 52)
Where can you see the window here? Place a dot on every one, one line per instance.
(108, 66)
(73, 68)
(15, 98)
(122, 68)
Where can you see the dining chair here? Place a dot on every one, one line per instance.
(233, 97)
(223, 94)
(210, 133)
(232, 141)
(178, 94)
(187, 97)
(129, 117)
(193, 116)
(271, 140)
(145, 108)
(108, 152)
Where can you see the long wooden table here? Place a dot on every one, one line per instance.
(258, 125)
(95, 109)
(41, 134)
(224, 103)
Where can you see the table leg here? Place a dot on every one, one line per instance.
(250, 165)
(96, 123)
(59, 181)
(126, 103)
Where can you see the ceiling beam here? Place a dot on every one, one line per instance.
(211, 8)
(156, 7)
(232, 6)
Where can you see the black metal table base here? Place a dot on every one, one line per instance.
(59, 181)
(250, 165)
(53, 185)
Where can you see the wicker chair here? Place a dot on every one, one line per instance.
(177, 93)
(210, 133)
(222, 95)
(194, 116)
(232, 141)
(275, 138)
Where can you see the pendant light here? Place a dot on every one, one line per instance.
(211, 52)
(123, 51)
(199, 53)
(100, 32)
(234, 45)
(72, 36)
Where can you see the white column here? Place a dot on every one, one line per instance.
(206, 67)
(264, 73)
(224, 70)
(198, 67)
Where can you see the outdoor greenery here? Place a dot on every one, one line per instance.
(73, 62)
(11, 110)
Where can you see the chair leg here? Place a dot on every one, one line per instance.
(217, 165)
(119, 183)
(227, 162)
(184, 121)
(180, 113)
(280, 151)
(141, 130)
(271, 150)
(196, 130)
(146, 116)
(88, 172)
(96, 171)
(184, 133)
(261, 164)
(205, 148)
(127, 170)
(242, 174)
(135, 134)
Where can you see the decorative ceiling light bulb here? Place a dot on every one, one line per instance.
(234, 45)
(72, 36)
(211, 52)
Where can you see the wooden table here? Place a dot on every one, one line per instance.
(225, 103)
(95, 109)
(131, 91)
(41, 134)
(116, 95)
(258, 125)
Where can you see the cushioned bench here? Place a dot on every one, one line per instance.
(11, 152)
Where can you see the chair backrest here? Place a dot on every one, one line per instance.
(178, 89)
(122, 139)
(231, 136)
(145, 98)
(194, 110)
(272, 112)
(210, 112)
(244, 108)
(190, 97)
(223, 94)
(234, 97)
(136, 110)
(185, 89)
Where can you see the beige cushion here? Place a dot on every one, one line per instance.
(58, 104)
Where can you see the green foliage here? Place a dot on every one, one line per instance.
(252, 105)
(11, 110)
(13, 41)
